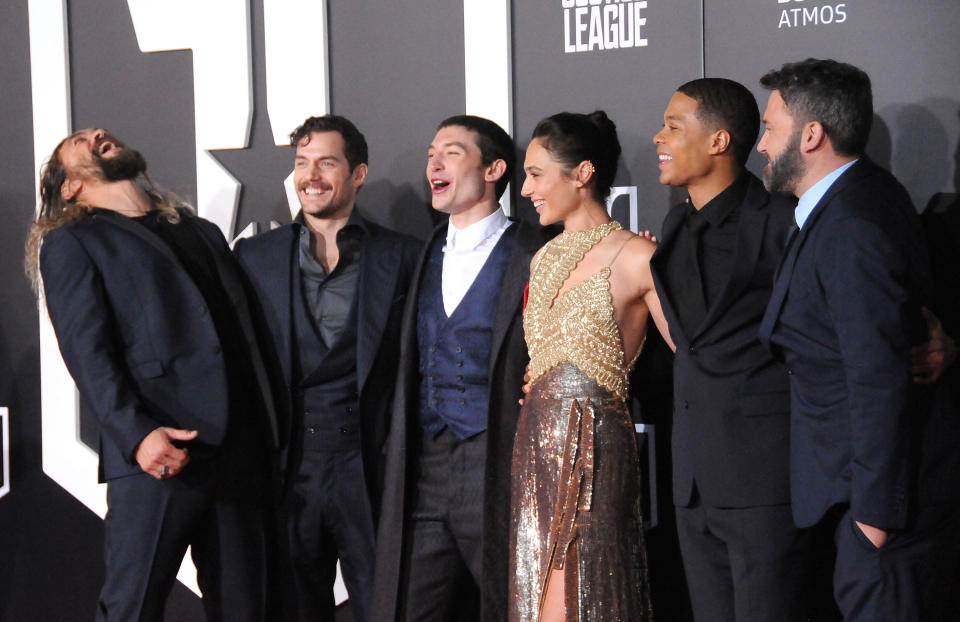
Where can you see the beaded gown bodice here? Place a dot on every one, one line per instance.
(577, 326)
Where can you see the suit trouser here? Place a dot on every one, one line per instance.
(149, 525)
(913, 577)
(329, 518)
(743, 564)
(443, 544)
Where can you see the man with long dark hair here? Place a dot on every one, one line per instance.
(154, 324)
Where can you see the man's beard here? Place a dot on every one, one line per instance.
(127, 164)
(783, 172)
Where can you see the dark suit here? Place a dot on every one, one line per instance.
(136, 334)
(741, 552)
(386, 264)
(507, 363)
(866, 444)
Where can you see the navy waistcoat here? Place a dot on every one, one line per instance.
(455, 350)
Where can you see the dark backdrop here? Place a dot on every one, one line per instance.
(397, 69)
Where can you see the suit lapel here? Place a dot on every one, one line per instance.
(784, 272)
(750, 230)
(671, 226)
(140, 231)
(378, 278)
(525, 244)
(281, 274)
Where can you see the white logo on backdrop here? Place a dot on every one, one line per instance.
(794, 16)
(223, 108)
(590, 25)
(631, 193)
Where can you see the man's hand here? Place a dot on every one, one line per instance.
(930, 360)
(526, 384)
(158, 456)
(877, 536)
(646, 233)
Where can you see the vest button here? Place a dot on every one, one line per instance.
(463, 401)
(433, 348)
(459, 349)
(459, 378)
(459, 363)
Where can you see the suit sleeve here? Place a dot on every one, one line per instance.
(865, 277)
(82, 317)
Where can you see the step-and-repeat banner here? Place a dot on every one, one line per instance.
(208, 92)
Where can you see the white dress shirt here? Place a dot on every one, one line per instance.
(465, 253)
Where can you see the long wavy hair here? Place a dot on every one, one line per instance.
(54, 211)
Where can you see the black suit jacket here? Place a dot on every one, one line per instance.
(387, 260)
(844, 313)
(731, 399)
(508, 359)
(136, 336)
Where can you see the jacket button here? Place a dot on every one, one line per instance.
(312, 430)
(343, 430)
(789, 372)
(349, 409)
(693, 351)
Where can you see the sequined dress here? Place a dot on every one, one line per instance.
(575, 498)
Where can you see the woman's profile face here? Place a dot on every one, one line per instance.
(551, 187)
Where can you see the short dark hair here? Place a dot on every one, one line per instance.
(727, 105)
(572, 137)
(837, 95)
(494, 143)
(355, 145)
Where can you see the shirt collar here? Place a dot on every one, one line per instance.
(355, 220)
(719, 207)
(473, 235)
(812, 196)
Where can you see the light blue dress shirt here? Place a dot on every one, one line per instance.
(811, 197)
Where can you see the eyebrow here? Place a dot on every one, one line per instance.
(453, 143)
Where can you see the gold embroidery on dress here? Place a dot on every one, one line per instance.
(577, 326)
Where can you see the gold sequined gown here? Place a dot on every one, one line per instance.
(575, 498)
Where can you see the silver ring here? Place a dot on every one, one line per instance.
(164, 471)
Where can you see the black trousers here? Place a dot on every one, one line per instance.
(329, 518)
(149, 525)
(744, 564)
(913, 577)
(442, 556)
